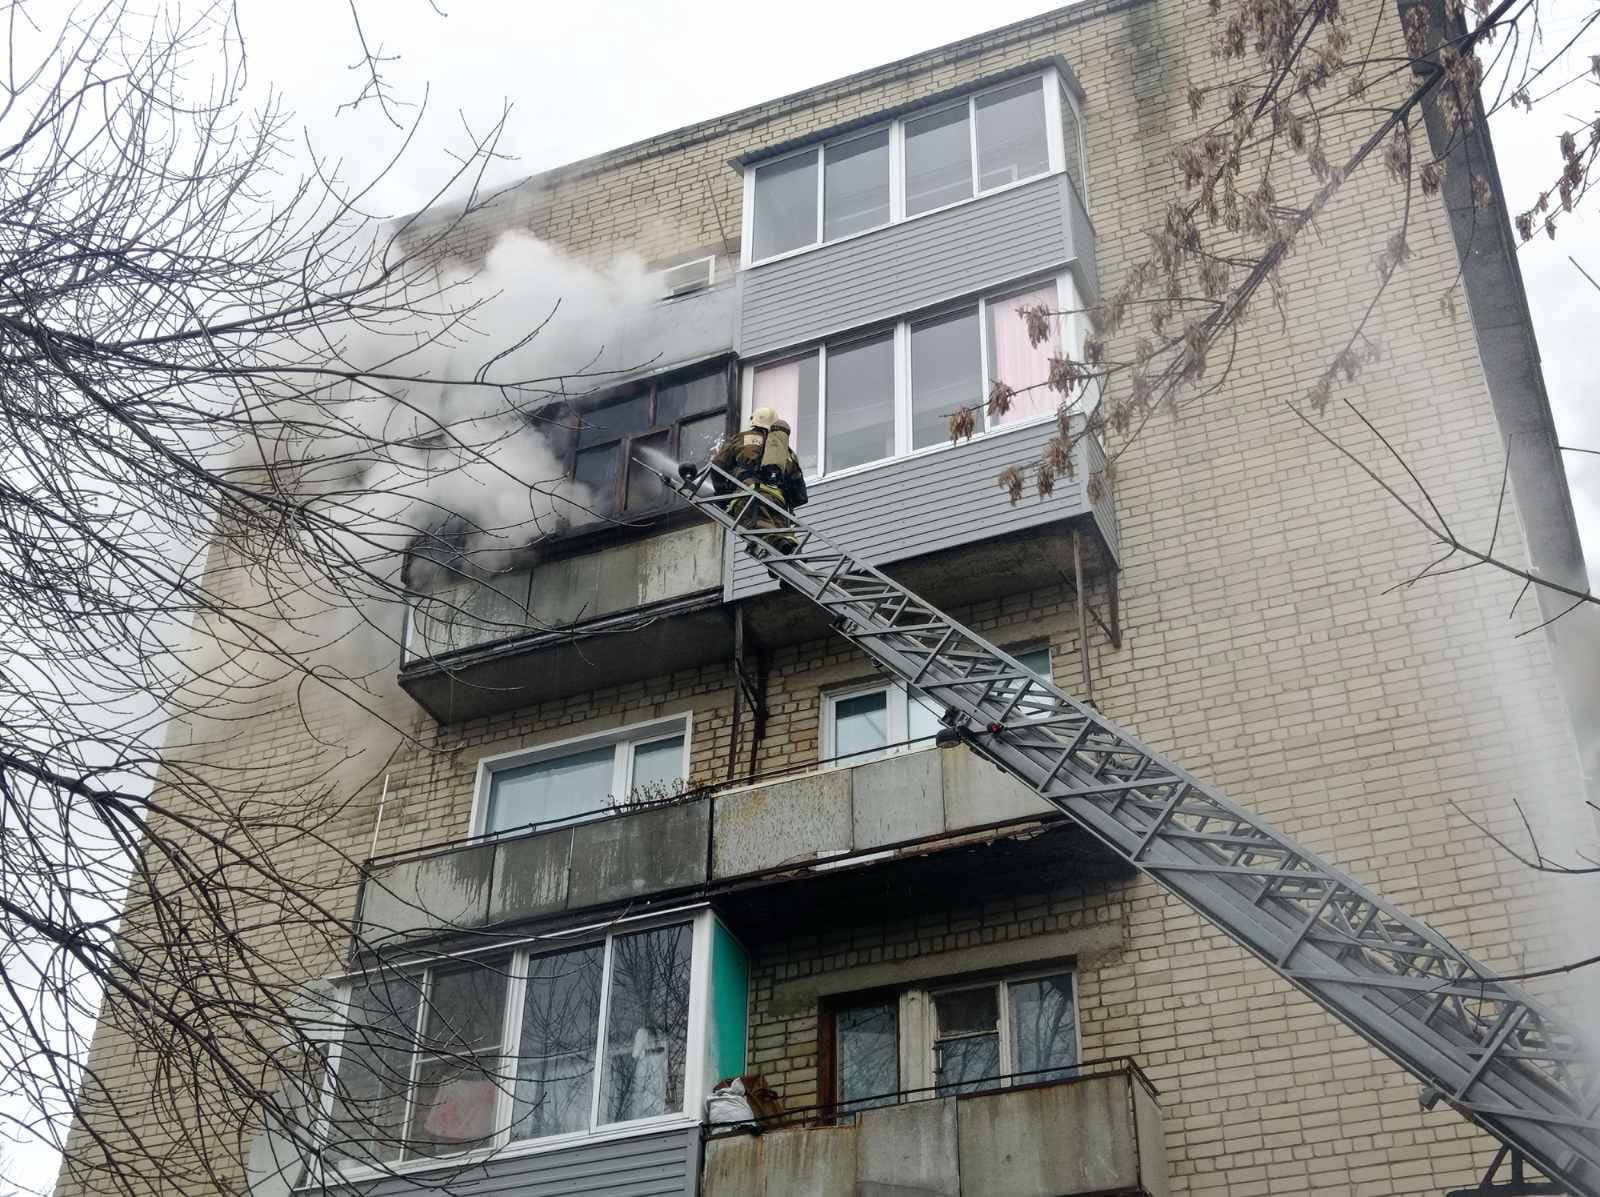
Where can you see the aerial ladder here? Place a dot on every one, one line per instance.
(1476, 1041)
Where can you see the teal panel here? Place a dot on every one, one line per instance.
(730, 1002)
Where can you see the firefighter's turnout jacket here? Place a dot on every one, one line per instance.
(761, 457)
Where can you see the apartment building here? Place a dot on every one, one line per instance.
(668, 830)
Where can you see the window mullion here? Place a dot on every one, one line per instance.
(902, 389)
(821, 193)
(511, 1044)
(414, 1063)
(621, 770)
(897, 171)
(822, 410)
(984, 382)
(748, 222)
(1005, 1056)
(600, 1035)
(1054, 94)
(972, 141)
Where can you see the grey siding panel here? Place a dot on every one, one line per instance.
(936, 501)
(680, 330)
(663, 1165)
(1080, 235)
(907, 266)
(1105, 512)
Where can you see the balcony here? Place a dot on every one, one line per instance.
(1097, 1132)
(938, 523)
(918, 818)
(552, 629)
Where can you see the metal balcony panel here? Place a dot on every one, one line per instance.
(928, 505)
(1034, 229)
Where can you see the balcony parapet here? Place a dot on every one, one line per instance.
(1096, 1130)
(793, 826)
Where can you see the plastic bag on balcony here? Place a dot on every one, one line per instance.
(728, 1106)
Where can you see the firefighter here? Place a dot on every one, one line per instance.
(760, 457)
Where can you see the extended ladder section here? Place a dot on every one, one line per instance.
(1477, 1041)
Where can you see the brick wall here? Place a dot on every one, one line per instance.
(1266, 645)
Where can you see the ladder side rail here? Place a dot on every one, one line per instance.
(1490, 1051)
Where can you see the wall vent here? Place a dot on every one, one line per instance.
(688, 277)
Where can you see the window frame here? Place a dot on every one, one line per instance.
(1002, 983)
(1052, 88)
(917, 1024)
(699, 918)
(625, 741)
(1071, 332)
(580, 409)
(897, 713)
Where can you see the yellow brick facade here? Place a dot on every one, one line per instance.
(1266, 646)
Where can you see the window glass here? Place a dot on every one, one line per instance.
(1038, 660)
(945, 375)
(597, 469)
(855, 185)
(699, 438)
(922, 719)
(646, 491)
(1011, 136)
(458, 1061)
(1015, 361)
(690, 396)
(860, 723)
(612, 420)
(938, 160)
(1072, 140)
(545, 791)
(867, 1055)
(647, 1025)
(966, 1049)
(375, 1070)
(658, 768)
(785, 206)
(555, 1059)
(790, 389)
(860, 396)
(1043, 1027)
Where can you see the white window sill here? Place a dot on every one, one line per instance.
(338, 1177)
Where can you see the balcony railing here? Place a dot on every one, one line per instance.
(1091, 1128)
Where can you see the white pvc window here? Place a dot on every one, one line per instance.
(917, 163)
(864, 723)
(583, 778)
(519, 1047)
(862, 399)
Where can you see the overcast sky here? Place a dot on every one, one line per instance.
(584, 77)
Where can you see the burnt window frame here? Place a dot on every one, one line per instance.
(577, 412)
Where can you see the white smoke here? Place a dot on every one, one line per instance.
(433, 442)
(457, 444)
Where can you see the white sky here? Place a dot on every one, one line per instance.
(585, 77)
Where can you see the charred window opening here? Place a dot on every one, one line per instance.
(675, 418)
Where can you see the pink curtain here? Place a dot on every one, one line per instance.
(1013, 361)
(778, 387)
